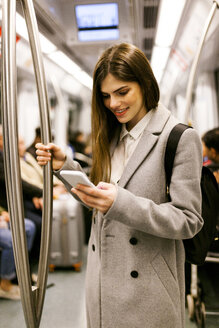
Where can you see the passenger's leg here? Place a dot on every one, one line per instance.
(7, 270)
(7, 267)
(30, 230)
(35, 216)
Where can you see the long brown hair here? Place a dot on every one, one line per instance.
(126, 63)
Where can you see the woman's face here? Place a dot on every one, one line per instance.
(124, 100)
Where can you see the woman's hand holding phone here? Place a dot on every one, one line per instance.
(101, 197)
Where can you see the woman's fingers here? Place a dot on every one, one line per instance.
(43, 157)
(44, 154)
(90, 201)
(86, 198)
(57, 153)
(42, 161)
(41, 146)
(49, 146)
(101, 197)
(51, 151)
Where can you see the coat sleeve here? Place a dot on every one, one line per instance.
(178, 219)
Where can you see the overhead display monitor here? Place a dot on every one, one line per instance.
(97, 22)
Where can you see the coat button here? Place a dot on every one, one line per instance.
(134, 274)
(133, 241)
(93, 247)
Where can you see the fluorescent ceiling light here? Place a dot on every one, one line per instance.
(70, 67)
(65, 62)
(21, 28)
(159, 60)
(84, 78)
(46, 45)
(58, 57)
(168, 20)
(169, 16)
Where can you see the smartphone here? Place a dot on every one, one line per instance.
(76, 177)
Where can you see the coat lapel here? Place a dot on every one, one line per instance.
(148, 140)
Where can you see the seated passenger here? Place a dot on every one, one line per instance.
(77, 142)
(31, 149)
(7, 264)
(81, 149)
(31, 196)
(210, 142)
(208, 273)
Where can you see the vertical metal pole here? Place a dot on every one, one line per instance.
(11, 159)
(193, 71)
(32, 300)
(32, 28)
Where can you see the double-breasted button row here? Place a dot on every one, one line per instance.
(133, 241)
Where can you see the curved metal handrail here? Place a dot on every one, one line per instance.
(193, 71)
(46, 138)
(32, 299)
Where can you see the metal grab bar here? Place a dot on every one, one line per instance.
(32, 300)
(193, 71)
(46, 138)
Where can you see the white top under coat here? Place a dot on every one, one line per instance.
(127, 143)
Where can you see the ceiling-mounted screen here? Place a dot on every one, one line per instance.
(97, 22)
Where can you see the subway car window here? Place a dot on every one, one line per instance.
(94, 89)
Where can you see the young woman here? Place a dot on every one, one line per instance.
(135, 269)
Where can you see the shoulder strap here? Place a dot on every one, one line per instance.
(171, 147)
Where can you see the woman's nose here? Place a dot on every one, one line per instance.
(114, 103)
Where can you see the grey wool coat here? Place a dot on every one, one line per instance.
(135, 268)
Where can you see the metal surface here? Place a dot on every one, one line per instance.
(212, 259)
(11, 159)
(32, 299)
(193, 71)
(46, 138)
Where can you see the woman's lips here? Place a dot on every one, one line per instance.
(121, 112)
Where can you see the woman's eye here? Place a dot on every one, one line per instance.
(123, 93)
(105, 96)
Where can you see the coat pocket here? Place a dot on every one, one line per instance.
(167, 279)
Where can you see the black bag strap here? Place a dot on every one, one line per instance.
(171, 147)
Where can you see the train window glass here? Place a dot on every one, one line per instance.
(97, 22)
